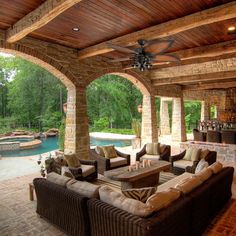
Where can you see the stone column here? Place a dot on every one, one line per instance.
(77, 130)
(164, 117)
(149, 120)
(178, 120)
(205, 111)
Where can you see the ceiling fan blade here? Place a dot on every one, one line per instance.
(167, 58)
(158, 46)
(120, 59)
(121, 49)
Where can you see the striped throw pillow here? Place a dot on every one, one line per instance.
(140, 194)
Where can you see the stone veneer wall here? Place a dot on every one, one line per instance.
(225, 151)
(9, 146)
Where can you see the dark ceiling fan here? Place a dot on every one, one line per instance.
(147, 53)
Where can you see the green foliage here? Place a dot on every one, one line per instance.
(115, 131)
(136, 126)
(101, 124)
(61, 137)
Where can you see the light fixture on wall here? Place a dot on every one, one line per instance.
(76, 29)
(140, 108)
(65, 107)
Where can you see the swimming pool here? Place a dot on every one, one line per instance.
(50, 144)
(21, 140)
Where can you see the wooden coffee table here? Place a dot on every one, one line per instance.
(143, 177)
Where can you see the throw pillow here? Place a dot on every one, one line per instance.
(140, 194)
(188, 154)
(72, 160)
(204, 153)
(61, 161)
(162, 199)
(84, 188)
(204, 174)
(201, 165)
(195, 156)
(99, 151)
(65, 171)
(118, 200)
(216, 167)
(153, 148)
(188, 184)
(109, 151)
(162, 148)
(58, 179)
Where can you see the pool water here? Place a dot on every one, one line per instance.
(50, 144)
(21, 140)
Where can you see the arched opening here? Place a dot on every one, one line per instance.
(60, 73)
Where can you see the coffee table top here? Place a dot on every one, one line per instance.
(123, 174)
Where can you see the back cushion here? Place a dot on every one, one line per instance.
(109, 151)
(118, 200)
(204, 174)
(204, 153)
(162, 148)
(84, 188)
(99, 151)
(195, 156)
(72, 160)
(188, 154)
(188, 184)
(58, 179)
(201, 165)
(153, 148)
(162, 199)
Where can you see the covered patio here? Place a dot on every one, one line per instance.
(72, 39)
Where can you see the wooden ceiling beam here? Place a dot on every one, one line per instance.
(212, 15)
(38, 18)
(218, 85)
(195, 78)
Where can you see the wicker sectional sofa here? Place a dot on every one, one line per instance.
(81, 216)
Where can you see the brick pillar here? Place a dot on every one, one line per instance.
(149, 120)
(164, 117)
(178, 120)
(77, 131)
(205, 111)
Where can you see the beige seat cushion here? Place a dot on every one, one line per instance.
(153, 148)
(182, 163)
(109, 151)
(118, 200)
(84, 188)
(87, 170)
(204, 174)
(72, 160)
(117, 161)
(216, 167)
(58, 179)
(171, 183)
(187, 185)
(150, 157)
(162, 199)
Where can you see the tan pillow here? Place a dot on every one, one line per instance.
(140, 194)
(187, 185)
(72, 160)
(118, 200)
(99, 151)
(195, 156)
(58, 179)
(216, 167)
(109, 151)
(188, 154)
(201, 165)
(153, 148)
(162, 199)
(162, 148)
(204, 174)
(204, 153)
(84, 188)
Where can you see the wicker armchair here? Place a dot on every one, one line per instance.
(210, 158)
(198, 135)
(164, 155)
(105, 164)
(82, 172)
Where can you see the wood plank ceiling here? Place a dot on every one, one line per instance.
(105, 20)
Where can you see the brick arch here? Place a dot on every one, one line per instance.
(41, 60)
(142, 84)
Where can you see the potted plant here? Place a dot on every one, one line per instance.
(136, 126)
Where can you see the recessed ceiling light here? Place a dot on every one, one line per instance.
(231, 28)
(76, 29)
